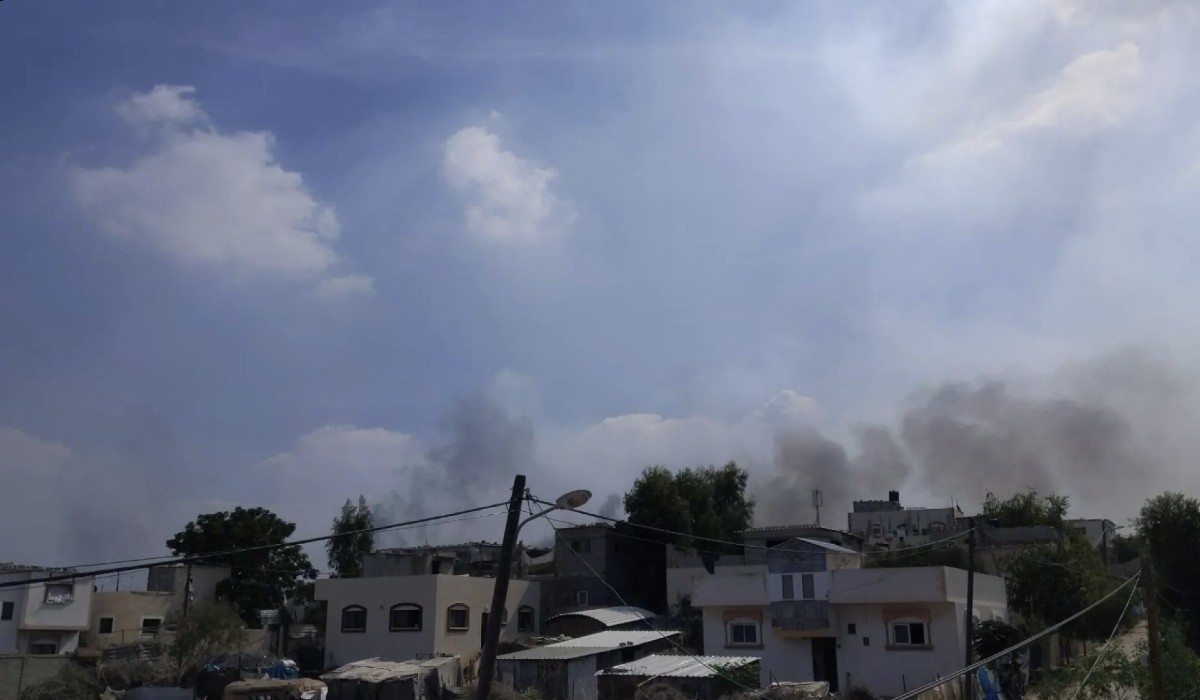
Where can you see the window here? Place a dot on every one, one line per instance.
(354, 618)
(106, 625)
(909, 634)
(807, 591)
(405, 617)
(789, 587)
(458, 617)
(525, 619)
(150, 627)
(581, 546)
(46, 648)
(851, 628)
(866, 641)
(581, 597)
(741, 633)
(6, 611)
(60, 594)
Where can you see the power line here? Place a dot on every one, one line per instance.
(980, 664)
(1104, 649)
(751, 546)
(666, 637)
(266, 547)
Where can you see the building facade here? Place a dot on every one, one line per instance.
(890, 524)
(586, 562)
(129, 617)
(399, 618)
(567, 670)
(886, 629)
(42, 618)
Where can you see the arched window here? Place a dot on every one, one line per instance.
(526, 619)
(354, 618)
(405, 617)
(458, 617)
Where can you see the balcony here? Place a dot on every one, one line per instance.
(800, 618)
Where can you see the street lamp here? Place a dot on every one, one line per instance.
(487, 660)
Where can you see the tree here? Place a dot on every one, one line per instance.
(260, 579)
(346, 551)
(209, 629)
(1047, 583)
(700, 505)
(1026, 509)
(950, 554)
(1169, 526)
(1123, 548)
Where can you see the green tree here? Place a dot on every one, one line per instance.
(261, 578)
(209, 629)
(701, 505)
(1047, 583)
(1026, 509)
(346, 549)
(1169, 526)
(1123, 548)
(994, 636)
(952, 555)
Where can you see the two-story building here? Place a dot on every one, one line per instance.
(42, 618)
(127, 617)
(399, 617)
(888, 629)
(587, 560)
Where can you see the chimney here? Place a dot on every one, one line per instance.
(894, 497)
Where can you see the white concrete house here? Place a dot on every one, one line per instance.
(886, 629)
(42, 618)
(399, 618)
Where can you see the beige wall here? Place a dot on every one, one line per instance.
(127, 609)
(434, 594)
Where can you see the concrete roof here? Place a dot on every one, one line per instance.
(588, 645)
(610, 617)
(667, 666)
(768, 529)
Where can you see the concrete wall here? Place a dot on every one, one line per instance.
(918, 584)
(681, 580)
(434, 594)
(782, 658)
(914, 525)
(730, 590)
(888, 671)
(19, 672)
(9, 628)
(127, 609)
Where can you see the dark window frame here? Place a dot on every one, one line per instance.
(407, 607)
(454, 608)
(112, 624)
(354, 629)
(521, 612)
(7, 610)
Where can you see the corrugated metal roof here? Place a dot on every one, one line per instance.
(551, 652)
(376, 669)
(666, 666)
(830, 546)
(586, 646)
(610, 617)
(615, 639)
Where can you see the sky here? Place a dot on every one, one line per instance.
(283, 254)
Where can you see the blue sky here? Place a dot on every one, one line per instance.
(273, 253)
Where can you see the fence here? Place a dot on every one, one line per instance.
(19, 672)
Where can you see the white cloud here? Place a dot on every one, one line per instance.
(508, 198)
(20, 451)
(346, 286)
(205, 197)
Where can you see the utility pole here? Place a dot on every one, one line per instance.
(187, 591)
(1150, 591)
(968, 684)
(487, 660)
(1104, 545)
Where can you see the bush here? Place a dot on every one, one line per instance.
(659, 691)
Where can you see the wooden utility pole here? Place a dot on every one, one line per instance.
(487, 660)
(968, 679)
(1150, 591)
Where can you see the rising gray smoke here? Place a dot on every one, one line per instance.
(613, 507)
(482, 448)
(1106, 433)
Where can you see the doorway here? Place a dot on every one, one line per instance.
(824, 660)
(483, 631)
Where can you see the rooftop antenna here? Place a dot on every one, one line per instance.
(816, 502)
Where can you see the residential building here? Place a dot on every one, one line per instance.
(698, 677)
(1097, 530)
(471, 558)
(398, 618)
(995, 546)
(890, 524)
(587, 562)
(886, 629)
(42, 618)
(684, 568)
(579, 623)
(567, 670)
(774, 535)
(128, 617)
